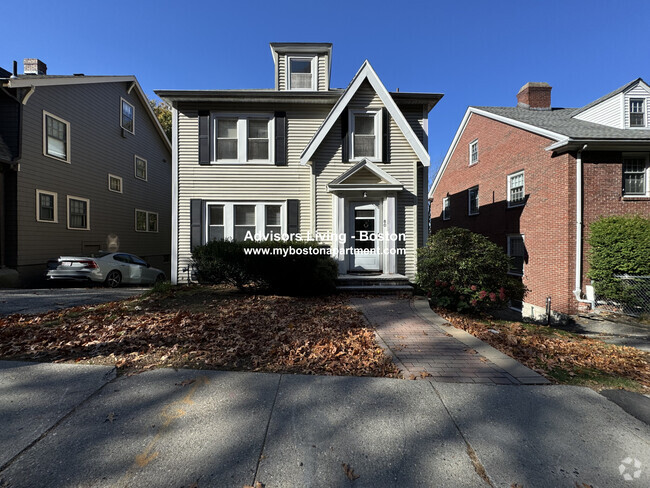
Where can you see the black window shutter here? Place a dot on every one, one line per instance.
(385, 123)
(293, 216)
(345, 136)
(204, 137)
(280, 138)
(196, 218)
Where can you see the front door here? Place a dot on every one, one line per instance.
(365, 230)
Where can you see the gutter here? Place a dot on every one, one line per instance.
(577, 291)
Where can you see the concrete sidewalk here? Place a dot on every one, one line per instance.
(185, 428)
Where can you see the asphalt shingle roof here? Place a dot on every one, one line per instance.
(560, 120)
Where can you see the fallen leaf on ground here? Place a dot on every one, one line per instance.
(349, 472)
(110, 417)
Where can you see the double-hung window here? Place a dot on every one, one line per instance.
(78, 213)
(516, 190)
(637, 112)
(242, 221)
(517, 253)
(446, 209)
(635, 175)
(146, 221)
(56, 137)
(473, 152)
(115, 183)
(365, 131)
(243, 138)
(472, 204)
(127, 116)
(302, 73)
(140, 168)
(46, 206)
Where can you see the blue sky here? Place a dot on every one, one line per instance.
(475, 52)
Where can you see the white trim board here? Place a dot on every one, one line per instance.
(365, 73)
(499, 118)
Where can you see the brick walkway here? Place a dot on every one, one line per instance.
(423, 348)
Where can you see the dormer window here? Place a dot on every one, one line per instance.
(302, 73)
(637, 112)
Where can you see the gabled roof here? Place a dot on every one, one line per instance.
(624, 88)
(28, 81)
(388, 182)
(365, 73)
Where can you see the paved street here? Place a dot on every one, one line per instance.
(70, 426)
(45, 300)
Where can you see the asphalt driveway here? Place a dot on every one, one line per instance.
(46, 300)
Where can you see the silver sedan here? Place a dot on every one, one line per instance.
(112, 269)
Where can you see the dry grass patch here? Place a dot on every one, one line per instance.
(203, 327)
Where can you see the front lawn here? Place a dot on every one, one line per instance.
(203, 327)
(559, 355)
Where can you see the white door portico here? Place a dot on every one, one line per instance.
(364, 211)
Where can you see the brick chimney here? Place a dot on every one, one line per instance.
(535, 95)
(33, 66)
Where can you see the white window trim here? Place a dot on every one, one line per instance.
(516, 236)
(446, 215)
(523, 200)
(471, 144)
(122, 100)
(469, 201)
(229, 217)
(645, 156)
(147, 213)
(645, 112)
(378, 134)
(67, 137)
(314, 72)
(38, 206)
(242, 137)
(135, 168)
(117, 178)
(87, 200)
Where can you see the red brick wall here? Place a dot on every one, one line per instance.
(603, 180)
(547, 220)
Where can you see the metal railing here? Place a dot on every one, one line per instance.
(632, 296)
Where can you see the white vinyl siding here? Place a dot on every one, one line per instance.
(607, 112)
(261, 182)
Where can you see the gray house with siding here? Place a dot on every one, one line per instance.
(347, 167)
(84, 166)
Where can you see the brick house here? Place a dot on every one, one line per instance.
(533, 178)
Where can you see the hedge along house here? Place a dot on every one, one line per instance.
(303, 159)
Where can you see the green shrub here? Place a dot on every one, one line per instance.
(300, 269)
(619, 245)
(461, 270)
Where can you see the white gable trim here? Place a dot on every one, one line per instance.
(365, 73)
(374, 169)
(515, 123)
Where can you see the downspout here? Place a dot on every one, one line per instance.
(577, 292)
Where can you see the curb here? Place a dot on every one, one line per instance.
(521, 373)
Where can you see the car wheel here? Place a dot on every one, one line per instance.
(160, 278)
(113, 279)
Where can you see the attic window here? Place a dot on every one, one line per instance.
(302, 73)
(365, 135)
(637, 112)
